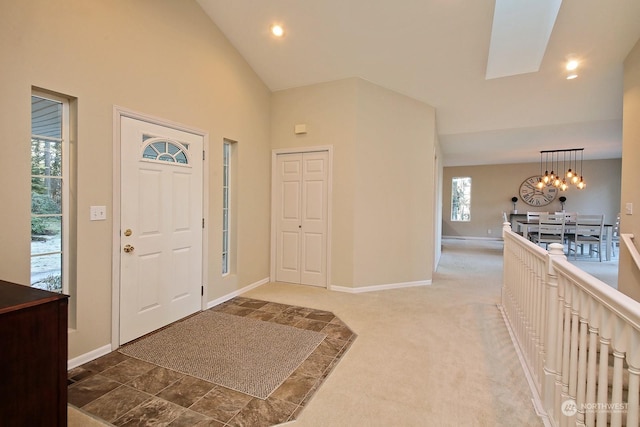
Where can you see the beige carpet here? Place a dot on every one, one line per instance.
(436, 355)
(246, 355)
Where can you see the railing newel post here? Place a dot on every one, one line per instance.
(506, 226)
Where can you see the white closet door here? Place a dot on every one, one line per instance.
(301, 226)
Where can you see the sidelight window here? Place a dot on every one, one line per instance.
(226, 190)
(49, 192)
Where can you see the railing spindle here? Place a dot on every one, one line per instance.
(634, 396)
(573, 355)
(616, 392)
(582, 370)
(603, 382)
(592, 368)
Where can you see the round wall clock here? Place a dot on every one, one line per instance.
(534, 196)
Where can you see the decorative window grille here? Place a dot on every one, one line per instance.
(163, 150)
(49, 192)
(226, 187)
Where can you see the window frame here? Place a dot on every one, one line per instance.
(65, 177)
(226, 207)
(455, 215)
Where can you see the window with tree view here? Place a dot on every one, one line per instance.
(49, 194)
(226, 187)
(461, 199)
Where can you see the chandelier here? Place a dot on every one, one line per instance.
(563, 177)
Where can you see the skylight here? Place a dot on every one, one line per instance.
(519, 36)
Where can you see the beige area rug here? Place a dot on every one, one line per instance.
(247, 355)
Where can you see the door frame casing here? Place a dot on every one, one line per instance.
(298, 150)
(118, 114)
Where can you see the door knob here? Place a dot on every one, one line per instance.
(128, 249)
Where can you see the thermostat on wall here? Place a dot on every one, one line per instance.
(298, 129)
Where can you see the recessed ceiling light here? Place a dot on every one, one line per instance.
(572, 65)
(277, 30)
(572, 69)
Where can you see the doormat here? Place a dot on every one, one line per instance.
(247, 355)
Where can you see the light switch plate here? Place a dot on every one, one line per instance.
(628, 209)
(98, 213)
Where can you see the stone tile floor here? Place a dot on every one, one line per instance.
(125, 391)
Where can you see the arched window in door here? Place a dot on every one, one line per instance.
(164, 150)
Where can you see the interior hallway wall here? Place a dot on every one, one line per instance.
(629, 274)
(383, 195)
(164, 58)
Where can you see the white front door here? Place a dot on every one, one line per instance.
(161, 221)
(301, 212)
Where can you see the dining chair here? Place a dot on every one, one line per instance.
(550, 229)
(569, 220)
(587, 231)
(615, 236)
(568, 216)
(532, 217)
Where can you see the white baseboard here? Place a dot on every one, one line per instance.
(234, 294)
(98, 352)
(88, 357)
(374, 288)
(471, 238)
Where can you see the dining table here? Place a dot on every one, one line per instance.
(608, 233)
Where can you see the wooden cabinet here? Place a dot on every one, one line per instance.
(33, 356)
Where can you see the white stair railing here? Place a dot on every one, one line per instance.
(524, 297)
(580, 338)
(628, 241)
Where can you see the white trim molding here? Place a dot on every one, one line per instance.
(234, 294)
(386, 287)
(88, 357)
(470, 238)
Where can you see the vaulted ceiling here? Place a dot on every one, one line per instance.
(437, 51)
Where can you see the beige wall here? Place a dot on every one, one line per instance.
(493, 186)
(394, 188)
(629, 274)
(383, 196)
(159, 57)
(329, 111)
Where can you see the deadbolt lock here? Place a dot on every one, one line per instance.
(128, 232)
